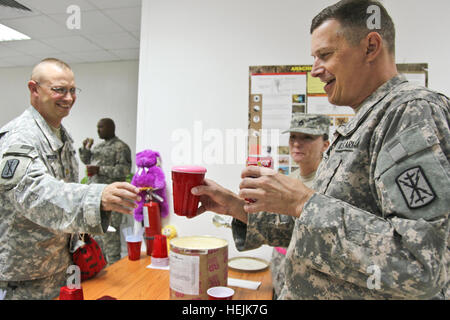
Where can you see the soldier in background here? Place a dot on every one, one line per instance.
(41, 204)
(376, 224)
(308, 140)
(107, 162)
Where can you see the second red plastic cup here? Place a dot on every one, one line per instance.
(184, 178)
(134, 247)
(65, 293)
(159, 253)
(152, 223)
(159, 246)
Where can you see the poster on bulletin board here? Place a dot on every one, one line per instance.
(275, 92)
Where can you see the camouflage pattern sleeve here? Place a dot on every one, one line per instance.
(122, 164)
(68, 207)
(85, 155)
(407, 240)
(263, 228)
(40, 203)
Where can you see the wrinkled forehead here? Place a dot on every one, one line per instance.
(328, 35)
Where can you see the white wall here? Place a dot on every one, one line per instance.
(194, 63)
(15, 97)
(109, 89)
(421, 36)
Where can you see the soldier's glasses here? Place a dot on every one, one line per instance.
(62, 91)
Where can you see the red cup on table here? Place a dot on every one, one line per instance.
(134, 247)
(159, 252)
(184, 178)
(220, 293)
(66, 293)
(152, 224)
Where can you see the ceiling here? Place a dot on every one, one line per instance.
(108, 31)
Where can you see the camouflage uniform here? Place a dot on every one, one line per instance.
(277, 260)
(113, 156)
(40, 206)
(309, 124)
(381, 207)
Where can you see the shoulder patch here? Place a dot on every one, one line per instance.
(10, 168)
(415, 188)
(14, 164)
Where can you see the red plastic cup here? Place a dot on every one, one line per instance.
(159, 246)
(65, 293)
(87, 171)
(152, 223)
(220, 293)
(159, 253)
(259, 161)
(184, 178)
(134, 247)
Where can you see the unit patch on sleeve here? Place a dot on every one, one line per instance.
(10, 168)
(415, 188)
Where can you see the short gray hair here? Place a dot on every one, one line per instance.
(353, 16)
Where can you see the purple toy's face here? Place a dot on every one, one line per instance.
(146, 158)
(149, 175)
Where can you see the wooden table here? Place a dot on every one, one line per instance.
(131, 280)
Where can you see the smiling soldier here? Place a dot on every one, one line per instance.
(375, 224)
(40, 202)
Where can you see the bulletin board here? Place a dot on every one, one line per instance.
(275, 92)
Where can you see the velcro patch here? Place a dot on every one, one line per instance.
(415, 188)
(10, 168)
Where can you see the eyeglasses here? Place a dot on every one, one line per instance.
(62, 91)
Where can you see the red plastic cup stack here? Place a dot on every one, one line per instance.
(152, 224)
(159, 252)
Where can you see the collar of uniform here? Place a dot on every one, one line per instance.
(109, 141)
(369, 103)
(54, 142)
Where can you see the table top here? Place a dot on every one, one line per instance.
(132, 280)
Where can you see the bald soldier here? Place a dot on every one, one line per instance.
(107, 162)
(375, 224)
(40, 202)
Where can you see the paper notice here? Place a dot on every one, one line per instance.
(321, 105)
(278, 84)
(314, 85)
(276, 112)
(184, 273)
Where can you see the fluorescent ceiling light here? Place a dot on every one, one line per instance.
(8, 34)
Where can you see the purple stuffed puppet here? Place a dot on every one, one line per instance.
(150, 174)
